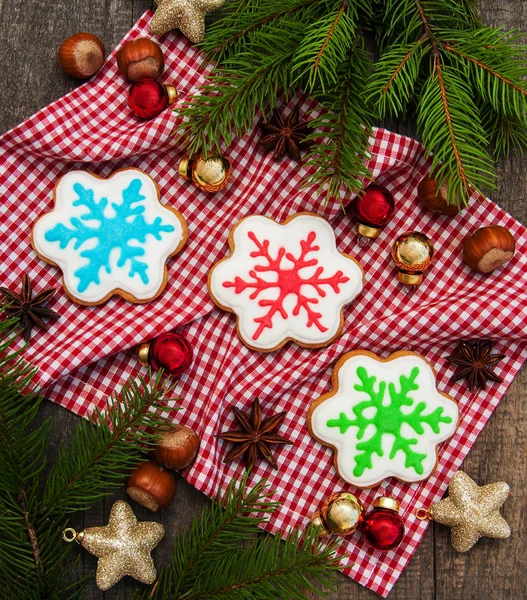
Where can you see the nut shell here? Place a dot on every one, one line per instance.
(435, 197)
(140, 59)
(488, 248)
(81, 55)
(177, 448)
(151, 486)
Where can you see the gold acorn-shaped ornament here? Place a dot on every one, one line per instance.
(210, 174)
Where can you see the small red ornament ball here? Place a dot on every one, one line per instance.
(373, 209)
(383, 528)
(171, 352)
(148, 98)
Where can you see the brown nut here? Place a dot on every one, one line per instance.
(81, 55)
(151, 486)
(488, 248)
(177, 448)
(140, 59)
(435, 198)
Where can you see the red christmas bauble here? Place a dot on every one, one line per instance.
(373, 209)
(383, 528)
(171, 352)
(148, 98)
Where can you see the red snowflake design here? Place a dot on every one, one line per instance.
(289, 281)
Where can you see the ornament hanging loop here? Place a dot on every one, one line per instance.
(69, 535)
(424, 514)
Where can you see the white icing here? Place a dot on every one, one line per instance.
(69, 259)
(288, 236)
(346, 398)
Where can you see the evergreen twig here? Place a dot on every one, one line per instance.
(434, 55)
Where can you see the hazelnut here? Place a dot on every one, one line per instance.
(488, 248)
(81, 55)
(151, 486)
(177, 448)
(140, 59)
(435, 197)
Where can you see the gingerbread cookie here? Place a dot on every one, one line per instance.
(285, 282)
(383, 418)
(109, 236)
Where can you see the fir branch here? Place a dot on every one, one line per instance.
(240, 19)
(340, 158)
(324, 47)
(105, 448)
(213, 559)
(451, 128)
(394, 77)
(229, 101)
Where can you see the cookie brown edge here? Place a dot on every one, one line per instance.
(334, 390)
(117, 291)
(290, 339)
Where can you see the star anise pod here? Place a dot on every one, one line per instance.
(29, 310)
(285, 134)
(475, 361)
(254, 437)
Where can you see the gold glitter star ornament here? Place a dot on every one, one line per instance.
(470, 511)
(123, 546)
(186, 15)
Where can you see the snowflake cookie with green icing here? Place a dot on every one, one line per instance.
(109, 236)
(383, 418)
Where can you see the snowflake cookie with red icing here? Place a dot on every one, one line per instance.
(285, 282)
(383, 418)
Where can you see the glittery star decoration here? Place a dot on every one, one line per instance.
(123, 546)
(186, 15)
(475, 363)
(472, 511)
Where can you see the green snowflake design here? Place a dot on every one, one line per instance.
(388, 420)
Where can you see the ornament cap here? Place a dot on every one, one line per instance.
(368, 231)
(410, 278)
(385, 502)
(171, 92)
(183, 168)
(143, 353)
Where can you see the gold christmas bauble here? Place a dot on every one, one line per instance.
(412, 254)
(341, 513)
(210, 174)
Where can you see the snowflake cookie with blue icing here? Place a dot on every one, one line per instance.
(109, 236)
(285, 282)
(383, 418)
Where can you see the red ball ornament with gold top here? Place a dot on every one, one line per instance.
(373, 209)
(148, 98)
(170, 352)
(382, 527)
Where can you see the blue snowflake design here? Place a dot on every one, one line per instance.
(126, 225)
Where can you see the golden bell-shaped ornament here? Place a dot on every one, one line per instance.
(412, 254)
(210, 174)
(341, 513)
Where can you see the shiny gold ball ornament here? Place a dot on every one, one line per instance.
(210, 174)
(123, 546)
(186, 15)
(471, 511)
(341, 513)
(412, 253)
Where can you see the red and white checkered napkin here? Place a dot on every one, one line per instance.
(83, 356)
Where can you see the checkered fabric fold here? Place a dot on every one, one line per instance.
(84, 356)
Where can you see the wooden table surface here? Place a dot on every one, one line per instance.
(30, 34)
